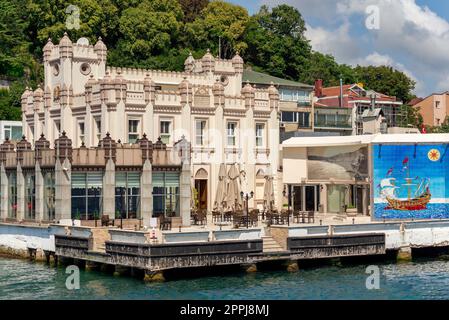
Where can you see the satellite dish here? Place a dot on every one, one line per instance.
(83, 41)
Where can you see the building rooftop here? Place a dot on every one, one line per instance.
(266, 79)
(365, 139)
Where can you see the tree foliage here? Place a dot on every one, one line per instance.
(160, 34)
(219, 22)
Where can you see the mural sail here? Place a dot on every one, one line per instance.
(410, 182)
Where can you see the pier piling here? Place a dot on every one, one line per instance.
(92, 266)
(154, 276)
(404, 254)
(249, 268)
(121, 271)
(292, 266)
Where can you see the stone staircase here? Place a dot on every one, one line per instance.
(271, 245)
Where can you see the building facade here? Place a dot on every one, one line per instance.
(131, 182)
(225, 120)
(434, 108)
(295, 102)
(340, 109)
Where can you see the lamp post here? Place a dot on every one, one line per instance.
(246, 197)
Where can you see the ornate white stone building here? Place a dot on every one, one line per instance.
(225, 121)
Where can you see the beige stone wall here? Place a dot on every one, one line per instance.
(99, 237)
(280, 235)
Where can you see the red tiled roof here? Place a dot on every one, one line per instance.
(335, 91)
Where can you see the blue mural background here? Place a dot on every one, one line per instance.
(388, 162)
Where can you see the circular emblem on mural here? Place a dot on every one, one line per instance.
(434, 155)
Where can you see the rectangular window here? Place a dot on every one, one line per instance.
(133, 131)
(200, 127)
(49, 196)
(166, 194)
(13, 132)
(304, 119)
(12, 195)
(81, 131)
(30, 197)
(127, 195)
(231, 133)
(98, 128)
(260, 128)
(57, 128)
(288, 116)
(87, 195)
(437, 104)
(7, 132)
(165, 131)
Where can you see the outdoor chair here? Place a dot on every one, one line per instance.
(165, 223)
(216, 216)
(105, 221)
(254, 217)
(285, 214)
(201, 218)
(228, 216)
(296, 216)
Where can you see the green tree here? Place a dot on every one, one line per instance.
(277, 44)
(411, 117)
(48, 19)
(192, 8)
(15, 57)
(218, 22)
(386, 80)
(150, 29)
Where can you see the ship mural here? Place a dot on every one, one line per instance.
(410, 182)
(418, 192)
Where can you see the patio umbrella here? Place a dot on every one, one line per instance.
(220, 196)
(233, 198)
(268, 193)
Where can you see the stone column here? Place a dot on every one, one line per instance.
(184, 188)
(20, 194)
(3, 193)
(146, 192)
(39, 190)
(109, 189)
(63, 186)
(365, 200)
(323, 198)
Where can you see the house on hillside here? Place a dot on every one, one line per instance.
(340, 109)
(434, 108)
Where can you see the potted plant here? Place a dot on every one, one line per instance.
(351, 211)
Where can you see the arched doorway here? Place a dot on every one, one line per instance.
(201, 188)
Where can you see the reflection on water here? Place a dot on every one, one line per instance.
(418, 280)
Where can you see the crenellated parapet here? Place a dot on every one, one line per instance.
(63, 148)
(109, 146)
(22, 146)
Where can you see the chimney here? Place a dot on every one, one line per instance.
(373, 102)
(318, 88)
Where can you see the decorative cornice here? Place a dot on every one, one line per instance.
(167, 109)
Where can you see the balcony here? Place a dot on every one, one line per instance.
(333, 125)
(304, 103)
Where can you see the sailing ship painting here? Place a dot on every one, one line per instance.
(410, 182)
